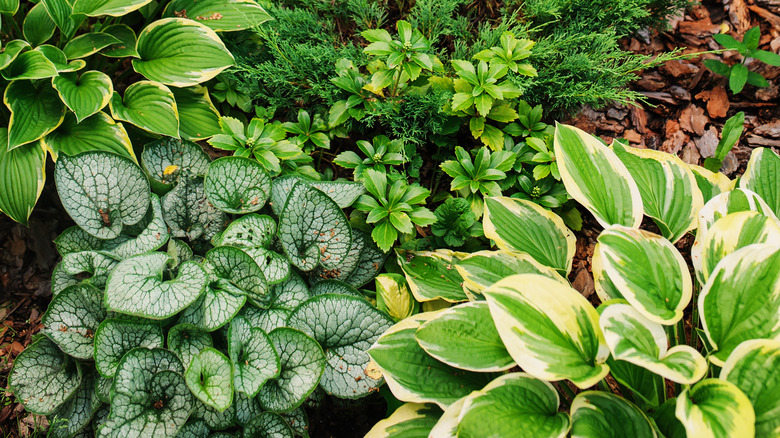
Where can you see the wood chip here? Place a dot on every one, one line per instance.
(773, 19)
(639, 119)
(708, 142)
(583, 283)
(718, 104)
(678, 68)
(699, 29)
(690, 154)
(755, 141)
(768, 130)
(739, 16)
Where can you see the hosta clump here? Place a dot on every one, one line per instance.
(666, 353)
(180, 303)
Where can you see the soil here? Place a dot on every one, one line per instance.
(687, 107)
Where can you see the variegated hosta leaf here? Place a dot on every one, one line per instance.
(268, 424)
(597, 414)
(116, 8)
(633, 338)
(741, 300)
(137, 287)
(123, 33)
(233, 14)
(275, 267)
(148, 235)
(524, 226)
(23, 173)
(85, 94)
(647, 270)
(187, 341)
(715, 408)
(210, 378)
(605, 288)
(72, 319)
(730, 202)
(286, 296)
(168, 158)
(667, 422)
(447, 426)
(88, 267)
(237, 185)
(710, 183)
(432, 274)
(550, 330)
(253, 355)
(35, 111)
(483, 268)
(102, 192)
(313, 230)
(188, 212)
(149, 397)
(74, 416)
(241, 271)
(115, 337)
(360, 266)
(464, 337)
(198, 118)
(754, 367)
(761, 177)
(345, 327)
(596, 178)
(98, 132)
(43, 377)
(410, 420)
(510, 404)
(393, 296)
(669, 191)
(88, 44)
(219, 303)
(148, 105)
(301, 365)
(250, 230)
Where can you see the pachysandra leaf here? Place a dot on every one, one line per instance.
(549, 329)
(148, 105)
(165, 160)
(115, 337)
(482, 269)
(38, 27)
(410, 420)
(198, 118)
(251, 230)
(432, 275)
(761, 177)
(75, 415)
(43, 377)
(86, 94)
(253, 355)
(187, 341)
(268, 424)
(188, 212)
(715, 408)
(343, 193)
(215, 308)
(96, 132)
(596, 178)
(126, 35)
(137, 287)
(220, 15)
(73, 317)
(35, 111)
(210, 378)
(88, 44)
(597, 414)
(22, 176)
(88, 267)
(237, 185)
(116, 8)
(166, 55)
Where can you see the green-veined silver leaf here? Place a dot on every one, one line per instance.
(596, 178)
(597, 414)
(43, 377)
(253, 355)
(741, 300)
(482, 269)
(30, 65)
(126, 35)
(432, 275)
(99, 419)
(187, 341)
(761, 177)
(74, 239)
(246, 408)
(210, 378)
(270, 425)
(301, 365)
(96, 132)
(189, 214)
(411, 420)
(343, 193)
(38, 27)
(237, 185)
(22, 176)
(102, 191)
(215, 308)
(286, 296)
(550, 330)
(214, 419)
(240, 269)
(166, 55)
(85, 94)
(360, 266)
(36, 110)
(251, 230)
(116, 8)
(715, 408)
(89, 267)
(168, 158)
(393, 296)
(88, 44)
(298, 421)
(179, 251)
(75, 415)
(275, 267)
(148, 105)
(196, 428)
(115, 337)
(220, 15)
(150, 237)
(198, 118)
(464, 337)
(633, 338)
(334, 287)
(137, 287)
(73, 317)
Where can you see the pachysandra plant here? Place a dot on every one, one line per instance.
(640, 368)
(477, 178)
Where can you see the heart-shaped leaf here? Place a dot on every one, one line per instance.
(210, 378)
(411, 419)
(393, 296)
(115, 8)
(253, 355)
(115, 337)
(102, 191)
(22, 176)
(38, 27)
(198, 118)
(760, 177)
(220, 15)
(166, 56)
(35, 111)
(74, 416)
(168, 158)
(432, 275)
(241, 271)
(215, 308)
(334, 287)
(88, 44)
(344, 194)
(297, 420)
(11, 51)
(98, 132)
(214, 419)
(286, 296)
(30, 65)
(715, 408)
(268, 424)
(86, 94)
(643, 383)
(136, 287)
(237, 185)
(596, 414)
(74, 239)
(126, 35)
(246, 408)
(148, 235)
(88, 267)
(194, 429)
(149, 106)
(482, 269)
(60, 61)
(189, 214)
(72, 319)
(187, 341)
(251, 230)
(710, 183)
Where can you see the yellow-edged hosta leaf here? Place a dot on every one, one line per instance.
(115, 8)
(22, 176)
(148, 105)
(432, 275)
(410, 420)
(550, 330)
(96, 132)
(633, 338)
(715, 408)
(483, 268)
(605, 288)
(710, 183)
(741, 299)
(763, 177)
(646, 270)
(220, 15)
(596, 178)
(393, 296)
(447, 426)
(524, 226)
(598, 414)
(730, 202)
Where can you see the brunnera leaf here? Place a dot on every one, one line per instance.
(237, 185)
(72, 319)
(115, 337)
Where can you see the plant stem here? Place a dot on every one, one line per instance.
(569, 393)
(695, 318)
(17, 32)
(604, 386)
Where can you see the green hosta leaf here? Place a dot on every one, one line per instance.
(213, 309)
(151, 236)
(165, 48)
(126, 35)
(313, 230)
(465, 337)
(11, 51)
(149, 397)
(752, 367)
(647, 270)
(220, 15)
(512, 403)
(413, 375)
(22, 176)
(43, 377)
(275, 268)
(61, 12)
(520, 225)
(345, 327)
(88, 44)
(596, 178)
(251, 230)
(136, 287)
(86, 94)
(168, 158)
(30, 65)
(633, 338)
(741, 299)
(301, 365)
(35, 111)
(82, 267)
(72, 319)
(550, 330)
(187, 341)
(432, 275)
(761, 177)
(237, 185)
(268, 424)
(102, 191)
(596, 414)
(240, 270)
(115, 337)
(9, 7)
(411, 420)
(198, 118)
(116, 8)
(98, 132)
(343, 193)
(393, 296)
(715, 408)
(483, 268)
(210, 378)
(59, 60)
(38, 27)
(148, 105)
(669, 191)
(74, 416)
(253, 355)
(286, 296)
(189, 214)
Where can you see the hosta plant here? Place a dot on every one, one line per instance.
(665, 353)
(198, 296)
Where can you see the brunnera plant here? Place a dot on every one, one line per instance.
(666, 353)
(197, 296)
